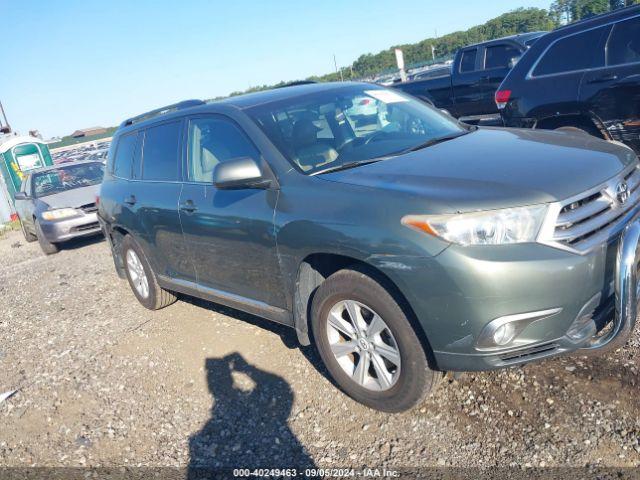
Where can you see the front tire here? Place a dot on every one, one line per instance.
(28, 236)
(368, 344)
(47, 247)
(142, 279)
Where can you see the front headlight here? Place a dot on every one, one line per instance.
(60, 213)
(492, 227)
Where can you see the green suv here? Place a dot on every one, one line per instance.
(401, 243)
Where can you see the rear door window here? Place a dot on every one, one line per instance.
(573, 53)
(124, 155)
(160, 152)
(624, 43)
(499, 56)
(468, 61)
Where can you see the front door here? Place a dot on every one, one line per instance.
(229, 233)
(612, 93)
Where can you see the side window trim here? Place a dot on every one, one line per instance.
(215, 116)
(531, 76)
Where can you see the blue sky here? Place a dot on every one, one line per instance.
(76, 64)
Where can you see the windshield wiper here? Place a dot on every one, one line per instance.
(434, 141)
(348, 165)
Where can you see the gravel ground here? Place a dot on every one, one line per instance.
(103, 382)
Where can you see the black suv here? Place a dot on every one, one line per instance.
(584, 76)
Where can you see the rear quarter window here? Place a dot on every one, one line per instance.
(500, 56)
(623, 46)
(468, 61)
(124, 155)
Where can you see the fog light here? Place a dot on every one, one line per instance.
(504, 334)
(506, 331)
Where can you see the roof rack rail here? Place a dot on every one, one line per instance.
(162, 111)
(296, 83)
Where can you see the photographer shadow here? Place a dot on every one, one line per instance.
(248, 425)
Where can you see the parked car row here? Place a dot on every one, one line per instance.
(466, 89)
(584, 76)
(94, 151)
(402, 246)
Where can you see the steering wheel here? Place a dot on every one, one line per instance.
(373, 136)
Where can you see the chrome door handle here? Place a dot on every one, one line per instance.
(188, 206)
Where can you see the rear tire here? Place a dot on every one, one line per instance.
(47, 247)
(28, 236)
(397, 375)
(142, 279)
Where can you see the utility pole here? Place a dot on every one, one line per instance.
(6, 128)
(400, 62)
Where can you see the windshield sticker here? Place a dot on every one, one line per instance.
(386, 96)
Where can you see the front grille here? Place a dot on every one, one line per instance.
(598, 215)
(88, 226)
(89, 208)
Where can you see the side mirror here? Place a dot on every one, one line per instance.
(21, 196)
(243, 172)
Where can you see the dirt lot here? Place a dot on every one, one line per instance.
(102, 381)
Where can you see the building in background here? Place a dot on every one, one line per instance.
(88, 132)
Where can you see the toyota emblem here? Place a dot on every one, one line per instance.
(622, 193)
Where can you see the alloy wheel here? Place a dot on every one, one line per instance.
(363, 345)
(137, 274)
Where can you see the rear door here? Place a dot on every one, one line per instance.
(554, 80)
(153, 197)
(229, 233)
(467, 83)
(612, 92)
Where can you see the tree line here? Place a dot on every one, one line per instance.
(521, 20)
(567, 11)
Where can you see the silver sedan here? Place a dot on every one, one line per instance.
(58, 203)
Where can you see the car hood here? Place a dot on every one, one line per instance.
(496, 168)
(72, 198)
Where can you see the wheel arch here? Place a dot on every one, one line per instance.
(115, 235)
(587, 121)
(316, 267)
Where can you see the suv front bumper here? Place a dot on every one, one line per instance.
(456, 294)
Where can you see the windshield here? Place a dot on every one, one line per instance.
(329, 129)
(65, 178)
